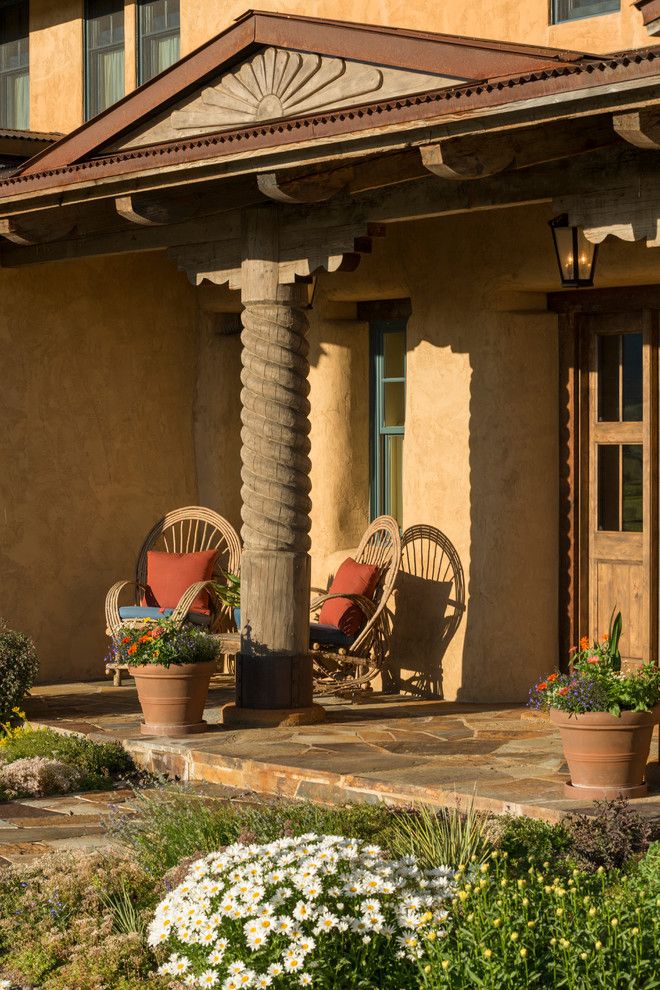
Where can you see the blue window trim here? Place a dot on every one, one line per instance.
(600, 7)
(377, 484)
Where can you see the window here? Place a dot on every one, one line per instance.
(14, 65)
(620, 410)
(388, 410)
(158, 37)
(571, 10)
(104, 54)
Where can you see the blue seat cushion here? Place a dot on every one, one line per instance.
(328, 635)
(144, 612)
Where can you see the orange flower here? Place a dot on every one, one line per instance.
(593, 659)
(542, 686)
(132, 649)
(145, 638)
(126, 639)
(563, 691)
(552, 678)
(584, 643)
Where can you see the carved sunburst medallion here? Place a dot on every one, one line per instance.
(279, 83)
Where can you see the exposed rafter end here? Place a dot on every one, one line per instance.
(27, 234)
(467, 158)
(283, 188)
(639, 127)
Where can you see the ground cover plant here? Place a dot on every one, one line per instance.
(40, 761)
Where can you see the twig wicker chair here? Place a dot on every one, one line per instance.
(187, 530)
(351, 669)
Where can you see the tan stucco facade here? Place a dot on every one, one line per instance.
(56, 36)
(122, 400)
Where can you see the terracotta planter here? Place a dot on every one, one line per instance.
(173, 698)
(606, 755)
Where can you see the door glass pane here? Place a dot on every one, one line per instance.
(632, 377)
(608, 487)
(394, 346)
(394, 476)
(608, 377)
(394, 404)
(632, 473)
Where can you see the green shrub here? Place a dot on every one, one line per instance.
(173, 823)
(610, 838)
(19, 668)
(98, 763)
(530, 841)
(588, 931)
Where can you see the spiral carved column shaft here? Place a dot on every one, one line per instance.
(274, 669)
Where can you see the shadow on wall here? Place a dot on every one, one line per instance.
(430, 602)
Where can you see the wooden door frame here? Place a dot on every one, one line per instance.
(573, 382)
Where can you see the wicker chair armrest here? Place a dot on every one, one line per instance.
(188, 597)
(368, 607)
(112, 619)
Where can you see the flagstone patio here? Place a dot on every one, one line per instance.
(393, 748)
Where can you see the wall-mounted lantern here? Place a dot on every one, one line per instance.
(576, 256)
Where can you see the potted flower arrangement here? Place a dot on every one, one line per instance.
(605, 717)
(172, 665)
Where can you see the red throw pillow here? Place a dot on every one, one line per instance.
(169, 575)
(352, 579)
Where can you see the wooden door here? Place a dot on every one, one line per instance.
(620, 479)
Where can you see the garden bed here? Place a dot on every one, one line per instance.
(528, 903)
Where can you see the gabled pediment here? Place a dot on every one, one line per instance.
(279, 83)
(270, 66)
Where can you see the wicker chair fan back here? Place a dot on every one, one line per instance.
(190, 530)
(380, 545)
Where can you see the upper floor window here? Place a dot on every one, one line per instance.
(158, 37)
(104, 54)
(14, 65)
(571, 10)
(388, 409)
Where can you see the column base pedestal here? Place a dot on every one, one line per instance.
(268, 718)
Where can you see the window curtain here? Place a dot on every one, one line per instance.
(21, 101)
(111, 78)
(164, 52)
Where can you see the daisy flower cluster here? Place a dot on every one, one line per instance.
(277, 914)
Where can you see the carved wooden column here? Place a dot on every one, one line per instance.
(274, 669)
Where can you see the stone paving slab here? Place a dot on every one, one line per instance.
(390, 748)
(33, 827)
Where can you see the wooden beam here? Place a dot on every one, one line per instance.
(413, 200)
(479, 155)
(639, 127)
(467, 158)
(306, 189)
(25, 231)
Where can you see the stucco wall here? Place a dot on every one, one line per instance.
(99, 363)
(56, 38)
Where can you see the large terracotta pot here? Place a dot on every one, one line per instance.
(173, 698)
(606, 755)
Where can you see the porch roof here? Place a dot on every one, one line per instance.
(459, 79)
